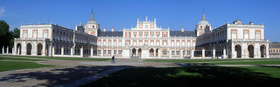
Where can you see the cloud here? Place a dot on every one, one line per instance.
(2, 10)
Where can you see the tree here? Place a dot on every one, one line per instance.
(5, 35)
(15, 34)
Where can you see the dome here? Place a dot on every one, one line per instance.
(202, 22)
(91, 20)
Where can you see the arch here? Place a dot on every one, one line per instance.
(263, 51)
(133, 52)
(238, 51)
(39, 49)
(29, 48)
(251, 51)
(18, 49)
(151, 52)
(139, 52)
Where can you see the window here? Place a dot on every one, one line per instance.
(134, 34)
(109, 43)
(134, 42)
(164, 52)
(115, 51)
(152, 34)
(157, 34)
(120, 43)
(115, 43)
(146, 34)
(258, 35)
(183, 43)
(172, 43)
(104, 43)
(164, 43)
(177, 52)
(152, 43)
(99, 51)
(189, 43)
(157, 43)
(92, 26)
(24, 34)
(109, 51)
(164, 35)
(178, 44)
(246, 35)
(120, 51)
(140, 34)
(233, 33)
(173, 52)
(35, 34)
(193, 44)
(45, 34)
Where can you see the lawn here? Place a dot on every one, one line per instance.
(13, 65)
(21, 59)
(220, 61)
(62, 58)
(192, 76)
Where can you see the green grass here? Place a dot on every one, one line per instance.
(63, 58)
(220, 61)
(192, 76)
(13, 65)
(24, 59)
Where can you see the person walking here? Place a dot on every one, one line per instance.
(113, 59)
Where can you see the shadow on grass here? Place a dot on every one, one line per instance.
(58, 76)
(186, 76)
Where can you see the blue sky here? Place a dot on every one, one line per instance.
(124, 13)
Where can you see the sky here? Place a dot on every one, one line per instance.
(124, 13)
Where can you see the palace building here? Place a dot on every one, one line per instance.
(145, 40)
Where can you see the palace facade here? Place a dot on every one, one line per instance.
(145, 40)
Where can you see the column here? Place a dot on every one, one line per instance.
(112, 51)
(192, 53)
(214, 53)
(159, 52)
(7, 49)
(52, 51)
(136, 52)
(154, 52)
(224, 52)
(181, 53)
(203, 52)
(82, 52)
(91, 51)
(267, 51)
(101, 52)
(3, 50)
(170, 53)
(14, 49)
(44, 49)
(72, 51)
(62, 50)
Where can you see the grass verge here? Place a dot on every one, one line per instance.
(13, 65)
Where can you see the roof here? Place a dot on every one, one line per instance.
(185, 33)
(110, 34)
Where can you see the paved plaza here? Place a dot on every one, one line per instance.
(69, 73)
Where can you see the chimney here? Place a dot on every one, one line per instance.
(104, 29)
(182, 29)
(112, 29)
